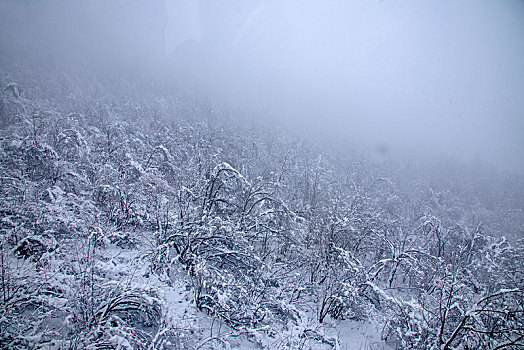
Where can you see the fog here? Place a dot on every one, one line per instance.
(408, 76)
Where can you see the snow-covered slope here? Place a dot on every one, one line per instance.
(136, 221)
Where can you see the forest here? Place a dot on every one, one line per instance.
(134, 220)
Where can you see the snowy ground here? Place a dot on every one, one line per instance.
(355, 335)
(205, 332)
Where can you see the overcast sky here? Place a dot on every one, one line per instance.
(441, 75)
(446, 75)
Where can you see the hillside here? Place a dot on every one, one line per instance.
(135, 218)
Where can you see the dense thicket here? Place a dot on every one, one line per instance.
(265, 224)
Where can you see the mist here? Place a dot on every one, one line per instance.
(445, 77)
(234, 174)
